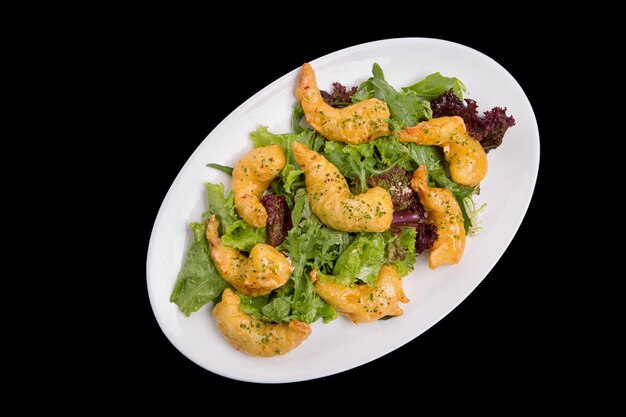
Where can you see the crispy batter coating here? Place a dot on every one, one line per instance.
(362, 303)
(353, 124)
(256, 337)
(251, 177)
(332, 201)
(466, 156)
(445, 213)
(262, 272)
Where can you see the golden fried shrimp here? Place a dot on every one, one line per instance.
(262, 272)
(466, 156)
(445, 213)
(256, 337)
(353, 124)
(362, 303)
(251, 176)
(332, 201)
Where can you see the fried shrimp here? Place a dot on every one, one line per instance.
(262, 272)
(362, 303)
(256, 337)
(445, 213)
(251, 176)
(466, 156)
(332, 201)
(353, 124)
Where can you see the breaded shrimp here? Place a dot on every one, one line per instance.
(332, 201)
(256, 337)
(251, 176)
(353, 124)
(362, 303)
(262, 272)
(445, 213)
(466, 156)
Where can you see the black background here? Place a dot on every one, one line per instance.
(183, 82)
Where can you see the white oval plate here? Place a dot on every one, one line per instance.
(341, 345)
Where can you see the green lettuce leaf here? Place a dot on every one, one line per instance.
(274, 307)
(432, 156)
(198, 281)
(392, 152)
(354, 161)
(292, 179)
(223, 168)
(406, 107)
(235, 232)
(310, 245)
(296, 117)
(263, 137)
(216, 204)
(435, 85)
(360, 261)
(401, 250)
(288, 182)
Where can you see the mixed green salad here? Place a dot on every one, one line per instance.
(346, 258)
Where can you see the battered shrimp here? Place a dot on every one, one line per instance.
(332, 201)
(251, 176)
(466, 156)
(445, 213)
(262, 272)
(362, 303)
(353, 124)
(256, 337)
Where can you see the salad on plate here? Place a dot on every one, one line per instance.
(328, 219)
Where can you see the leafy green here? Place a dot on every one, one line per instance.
(473, 212)
(435, 85)
(235, 232)
(263, 137)
(292, 178)
(223, 168)
(361, 260)
(216, 204)
(354, 162)
(243, 236)
(401, 250)
(392, 152)
(433, 157)
(198, 281)
(296, 117)
(289, 180)
(310, 245)
(274, 307)
(365, 91)
(406, 107)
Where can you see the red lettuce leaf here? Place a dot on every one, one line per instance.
(278, 218)
(488, 129)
